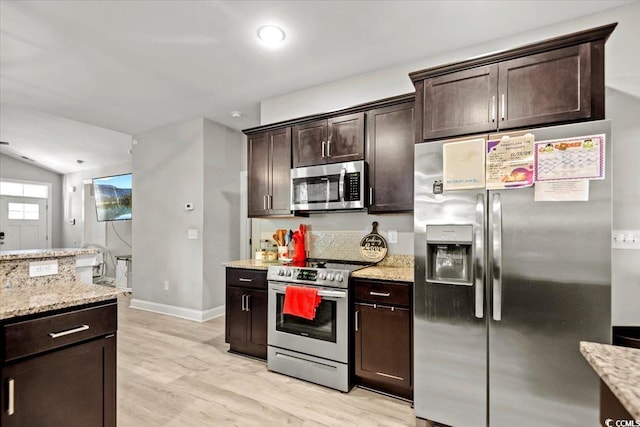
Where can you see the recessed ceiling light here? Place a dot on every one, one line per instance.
(271, 35)
(79, 162)
(236, 114)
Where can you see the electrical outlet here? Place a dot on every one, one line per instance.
(393, 236)
(166, 285)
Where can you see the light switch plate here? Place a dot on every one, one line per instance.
(393, 236)
(192, 234)
(625, 239)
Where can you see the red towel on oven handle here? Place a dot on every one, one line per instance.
(301, 301)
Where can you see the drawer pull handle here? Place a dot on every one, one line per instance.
(390, 376)
(10, 406)
(68, 332)
(379, 294)
(242, 279)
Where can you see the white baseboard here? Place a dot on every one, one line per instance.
(172, 310)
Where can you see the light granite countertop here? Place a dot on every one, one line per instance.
(22, 300)
(392, 272)
(44, 253)
(619, 368)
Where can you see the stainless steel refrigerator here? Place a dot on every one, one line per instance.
(501, 348)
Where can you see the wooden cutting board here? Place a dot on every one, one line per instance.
(373, 247)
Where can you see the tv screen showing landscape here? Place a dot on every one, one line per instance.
(113, 197)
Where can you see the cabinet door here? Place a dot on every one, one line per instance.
(280, 164)
(258, 174)
(309, 143)
(390, 157)
(257, 306)
(70, 387)
(346, 138)
(460, 103)
(236, 318)
(383, 346)
(549, 87)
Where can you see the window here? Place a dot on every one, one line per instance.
(26, 211)
(19, 189)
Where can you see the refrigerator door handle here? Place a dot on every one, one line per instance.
(479, 256)
(496, 256)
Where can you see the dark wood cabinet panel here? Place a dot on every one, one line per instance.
(463, 102)
(549, 87)
(390, 149)
(383, 347)
(74, 386)
(384, 337)
(345, 138)
(338, 139)
(246, 312)
(269, 188)
(280, 163)
(309, 143)
(258, 174)
(559, 80)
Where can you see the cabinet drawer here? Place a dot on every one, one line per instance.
(388, 293)
(50, 332)
(247, 278)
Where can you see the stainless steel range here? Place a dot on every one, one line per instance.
(313, 350)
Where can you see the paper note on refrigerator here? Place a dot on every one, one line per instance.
(570, 158)
(510, 162)
(562, 191)
(463, 164)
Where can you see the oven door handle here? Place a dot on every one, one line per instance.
(321, 293)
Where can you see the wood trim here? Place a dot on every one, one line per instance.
(591, 35)
(322, 116)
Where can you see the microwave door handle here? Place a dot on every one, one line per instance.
(343, 173)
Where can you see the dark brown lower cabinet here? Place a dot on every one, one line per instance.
(383, 343)
(71, 387)
(66, 380)
(246, 312)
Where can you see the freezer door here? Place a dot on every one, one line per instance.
(450, 340)
(550, 267)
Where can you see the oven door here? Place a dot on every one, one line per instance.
(325, 336)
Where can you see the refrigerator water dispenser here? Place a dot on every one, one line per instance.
(449, 254)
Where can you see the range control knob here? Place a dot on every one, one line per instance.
(330, 276)
(339, 277)
(322, 275)
(281, 272)
(288, 273)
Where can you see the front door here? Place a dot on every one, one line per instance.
(23, 223)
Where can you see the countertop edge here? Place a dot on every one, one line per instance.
(44, 253)
(615, 374)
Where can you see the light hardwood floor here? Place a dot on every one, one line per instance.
(175, 372)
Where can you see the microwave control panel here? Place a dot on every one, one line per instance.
(352, 184)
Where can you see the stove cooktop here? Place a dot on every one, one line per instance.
(334, 273)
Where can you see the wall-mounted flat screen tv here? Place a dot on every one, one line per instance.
(113, 197)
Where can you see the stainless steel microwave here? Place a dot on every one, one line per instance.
(335, 186)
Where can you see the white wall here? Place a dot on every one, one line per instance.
(173, 165)
(80, 206)
(622, 77)
(11, 168)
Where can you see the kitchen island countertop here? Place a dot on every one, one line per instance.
(619, 368)
(44, 253)
(22, 300)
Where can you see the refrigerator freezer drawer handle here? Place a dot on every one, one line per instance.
(496, 255)
(479, 254)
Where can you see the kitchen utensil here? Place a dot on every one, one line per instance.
(373, 247)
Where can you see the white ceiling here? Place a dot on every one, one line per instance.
(124, 67)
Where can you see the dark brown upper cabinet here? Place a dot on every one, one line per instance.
(269, 173)
(390, 158)
(560, 80)
(333, 140)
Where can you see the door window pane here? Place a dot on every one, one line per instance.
(28, 211)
